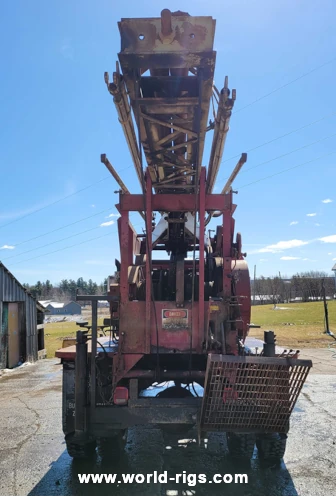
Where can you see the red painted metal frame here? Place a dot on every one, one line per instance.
(149, 215)
(201, 324)
(180, 202)
(141, 321)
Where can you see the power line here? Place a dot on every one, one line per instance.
(285, 85)
(287, 169)
(68, 247)
(55, 241)
(261, 179)
(281, 136)
(62, 227)
(287, 153)
(51, 243)
(61, 199)
(235, 112)
(64, 248)
(243, 186)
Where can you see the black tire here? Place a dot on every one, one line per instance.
(240, 446)
(112, 447)
(80, 449)
(271, 447)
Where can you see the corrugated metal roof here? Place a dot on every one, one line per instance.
(15, 280)
(45, 303)
(54, 304)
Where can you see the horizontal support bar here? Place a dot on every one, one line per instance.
(181, 202)
(168, 101)
(95, 298)
(186, 59)
(164, 402)
(263, 360)
(106, 418)
(169, 375)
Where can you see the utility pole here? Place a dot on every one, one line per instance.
(326, 317)
(254, 283)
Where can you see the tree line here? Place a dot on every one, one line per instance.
(66, 290)
(306, 286)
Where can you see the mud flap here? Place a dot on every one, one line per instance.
(251, 393)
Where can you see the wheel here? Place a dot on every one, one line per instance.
(112, 447)
(240, 446)
(271, 447)
(80, 448)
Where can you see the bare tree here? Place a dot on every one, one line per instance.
(260, 289)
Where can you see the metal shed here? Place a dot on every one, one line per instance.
(18, 320)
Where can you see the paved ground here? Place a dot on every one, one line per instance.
(33, 459)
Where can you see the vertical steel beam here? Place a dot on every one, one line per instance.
(124, 256)
(226, 253)
(148, 213)
(93, 353)
(201, 254)
(227, 241)
(179, 280)
(80, 382)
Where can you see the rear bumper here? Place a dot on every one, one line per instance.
(144, 411)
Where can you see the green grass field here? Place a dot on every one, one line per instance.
(301, 325)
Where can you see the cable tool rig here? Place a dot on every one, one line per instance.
(182, 320)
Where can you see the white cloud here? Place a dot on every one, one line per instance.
(107, 223)
(93, 205)
(330, 239)
(334, 259)
(262, 260)
(327, 201)
(7, 247)
(66, 49)
(112, 215)
(293, 223)
(317, 225)
(311, 214)
(288, 258)
(282, 245)
(329, 253)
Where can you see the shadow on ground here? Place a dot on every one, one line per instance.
(148, 450)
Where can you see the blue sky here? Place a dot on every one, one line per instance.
(57, 118)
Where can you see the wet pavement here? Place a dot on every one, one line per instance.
(34, 461)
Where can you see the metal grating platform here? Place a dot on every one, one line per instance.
(251, 394)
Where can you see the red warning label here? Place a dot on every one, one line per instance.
(174, 319)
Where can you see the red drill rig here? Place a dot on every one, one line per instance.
(183, 319)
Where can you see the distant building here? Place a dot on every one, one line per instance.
(266, 299)
(55, 308)
(103, 304)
